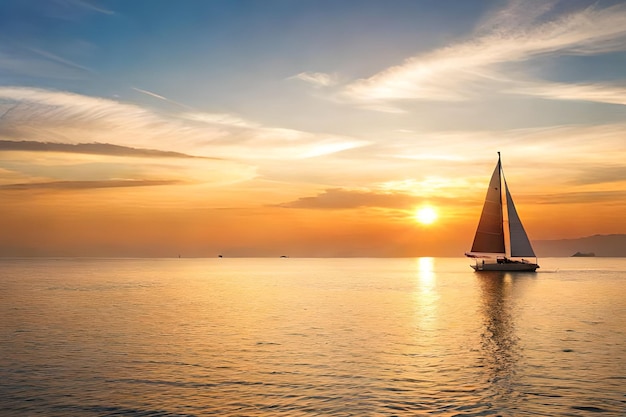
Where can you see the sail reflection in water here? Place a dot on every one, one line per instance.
(500, 348)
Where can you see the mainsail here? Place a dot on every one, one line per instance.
(490, 233)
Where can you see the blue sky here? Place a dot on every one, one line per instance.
(215, 55)
(242, 56)
(283, 100)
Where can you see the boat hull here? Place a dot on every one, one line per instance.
(529, 267)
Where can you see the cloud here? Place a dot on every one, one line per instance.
(337, 198)
(513, 35)
(39, 64)
(600, 174)
(99, 139)
(65, 10)
(89, 148)
(63, 61)
(594, 92)
(85, 185)
(36, 163)
(160, 97)
(443, 163)
(91, 6)
(317, 79)
(50, 116)
(582, 197)
(220, 119)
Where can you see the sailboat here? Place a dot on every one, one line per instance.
(501, 243)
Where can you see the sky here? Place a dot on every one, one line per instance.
(305, 128)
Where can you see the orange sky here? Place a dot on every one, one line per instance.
(200, 221)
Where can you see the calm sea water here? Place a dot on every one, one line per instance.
(311, 337)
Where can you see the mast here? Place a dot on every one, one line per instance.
(506, 231)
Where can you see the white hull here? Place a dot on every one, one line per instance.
(521, 266)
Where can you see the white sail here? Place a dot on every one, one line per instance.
(519, 244)
(490, 233)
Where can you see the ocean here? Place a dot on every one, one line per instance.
(311, 337)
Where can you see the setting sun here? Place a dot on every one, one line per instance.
(426, 215)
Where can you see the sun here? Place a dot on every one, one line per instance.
(426, 215)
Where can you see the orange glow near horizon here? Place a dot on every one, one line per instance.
(247, 220)
(105, 206)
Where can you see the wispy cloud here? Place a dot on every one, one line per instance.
(160, 97)
(86, 185)
(69, 10)
(91, 6)
(582, 197)
(600, 174)
(50, 116)
(221, 119)
(89, 148)
(513, 35)
(33, 62)
(59, 59)
(594, 92)
(102, 163)
(347, 199)
(95, 139)
(339, 198)
(317, 79)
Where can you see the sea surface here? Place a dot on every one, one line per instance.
(311, 337)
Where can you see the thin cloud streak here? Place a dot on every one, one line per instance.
(317, 79)
(32, 167)
(337, 198)
(60, 60)
(160, 97)
(93, 7)
(38, 64)
(86, 185)
(583, 197)
(600, 174)
(594, 92)
(90, 148)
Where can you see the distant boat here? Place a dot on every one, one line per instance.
(501, 243)
(583, 255)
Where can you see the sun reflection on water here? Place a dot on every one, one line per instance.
(426, 271)
(499, 340)
(426, 294)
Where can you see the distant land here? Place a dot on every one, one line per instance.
(600, 245)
